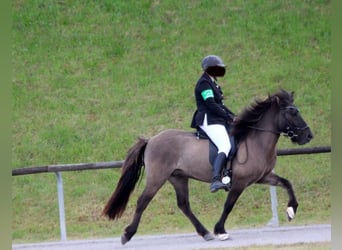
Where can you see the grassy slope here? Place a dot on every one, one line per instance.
(89, 77)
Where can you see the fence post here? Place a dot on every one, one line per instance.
(61, 205)
(274, 222)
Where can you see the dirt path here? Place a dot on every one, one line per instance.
(243, 237)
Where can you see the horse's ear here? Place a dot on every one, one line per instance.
(276, 99)
(273, 98)
(292, 95)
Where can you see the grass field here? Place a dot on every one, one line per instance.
(89, 77)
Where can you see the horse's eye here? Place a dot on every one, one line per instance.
(293, 110)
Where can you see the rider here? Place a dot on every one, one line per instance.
(212, 115)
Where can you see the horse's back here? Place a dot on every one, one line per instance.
(174, 135)
(170, 141)
(175, 149)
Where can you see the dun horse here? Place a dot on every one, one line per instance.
(176, 156)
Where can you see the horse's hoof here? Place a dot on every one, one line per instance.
(222, 236)
(290, 213)
(208, 237)
(124, 239)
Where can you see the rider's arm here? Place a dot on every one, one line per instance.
(208, 97)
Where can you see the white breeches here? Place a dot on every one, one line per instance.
(218, 135)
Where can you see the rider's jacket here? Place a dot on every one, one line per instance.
(209, 100)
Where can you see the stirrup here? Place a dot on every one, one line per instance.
(217, 185)
(228, 186)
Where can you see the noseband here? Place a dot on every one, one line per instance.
(288, 131)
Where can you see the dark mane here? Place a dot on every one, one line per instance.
(253, 113)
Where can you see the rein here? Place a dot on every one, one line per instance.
(265, 130)
(288, 132)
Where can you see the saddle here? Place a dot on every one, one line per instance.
(213, 151)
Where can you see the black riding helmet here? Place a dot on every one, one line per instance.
(214, 66)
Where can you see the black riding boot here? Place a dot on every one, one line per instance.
(216, 183)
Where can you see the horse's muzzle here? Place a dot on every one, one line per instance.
(305, 136)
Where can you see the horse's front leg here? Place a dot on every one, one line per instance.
(275, 180)
(233, 196)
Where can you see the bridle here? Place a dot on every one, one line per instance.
(287, 131)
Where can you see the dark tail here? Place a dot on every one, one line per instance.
(131, 171)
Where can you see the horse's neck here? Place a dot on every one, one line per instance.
(265, 141)
(267, 137)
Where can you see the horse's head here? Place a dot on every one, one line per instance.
(285, 116)
(291, 123)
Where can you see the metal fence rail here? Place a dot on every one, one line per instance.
(66, 167)
(57, 169)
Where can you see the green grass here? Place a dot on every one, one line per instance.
(89, 77)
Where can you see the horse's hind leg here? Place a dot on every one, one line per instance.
(149, 192)
(275, 180)
(180, 185)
